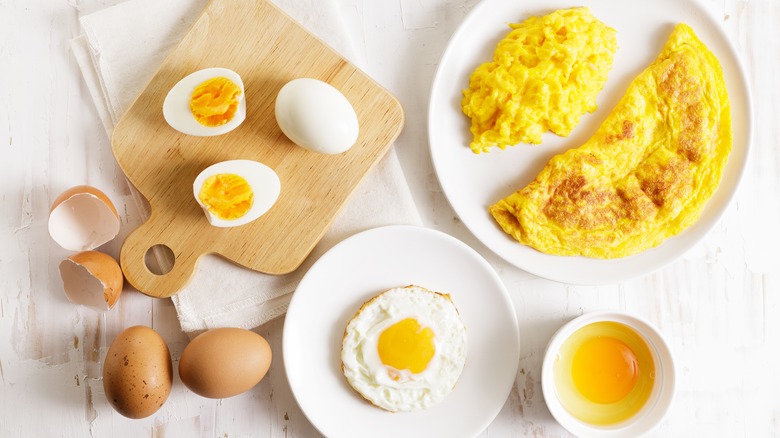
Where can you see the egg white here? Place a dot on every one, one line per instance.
(264, 182)
(316, 116)
(176, 107)
(364, 369)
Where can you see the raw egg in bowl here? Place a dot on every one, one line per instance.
(608, 374)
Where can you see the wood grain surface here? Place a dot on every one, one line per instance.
(267, 49)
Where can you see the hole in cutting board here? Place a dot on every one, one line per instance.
(159, 259)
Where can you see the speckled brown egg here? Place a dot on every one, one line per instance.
(224, 362)
(137, 372)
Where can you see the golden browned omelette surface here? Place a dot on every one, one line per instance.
(646, 173)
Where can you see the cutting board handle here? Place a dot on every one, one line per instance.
(139, 249)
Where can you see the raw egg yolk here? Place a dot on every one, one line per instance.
(406, 345)
(604, 369)
(226, 195)
(214, 102)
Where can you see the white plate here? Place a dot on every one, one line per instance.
(474, 182)
(371, 262)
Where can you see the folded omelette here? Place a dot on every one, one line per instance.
(646, 173)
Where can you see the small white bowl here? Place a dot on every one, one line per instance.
(660, 398)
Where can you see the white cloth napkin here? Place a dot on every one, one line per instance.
(120, 49)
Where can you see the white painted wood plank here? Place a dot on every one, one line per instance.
(719, 306)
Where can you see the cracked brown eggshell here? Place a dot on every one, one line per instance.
(137, 372)
(83, 218)
(93, 279)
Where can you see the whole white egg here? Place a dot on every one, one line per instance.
(257, 186)
(316, 116)
(177, 108)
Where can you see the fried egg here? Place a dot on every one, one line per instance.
(545, 74)
(405, 349)
(647, 172)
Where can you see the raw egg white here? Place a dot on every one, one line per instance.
(219, 103)
(316, 116)
(236, 192)
(604, 373)
(405, 349)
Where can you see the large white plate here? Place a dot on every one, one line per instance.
(474, 182)
(369, 263)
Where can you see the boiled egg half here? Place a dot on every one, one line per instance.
(206, 103)
(405, 349)
(236, 192)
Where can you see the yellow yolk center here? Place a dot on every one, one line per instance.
(214, 102)
(604, 370)
(406, 345)
(226, 195)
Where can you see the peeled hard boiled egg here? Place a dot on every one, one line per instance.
(405, 349)
(92, 279)
(83, 218)
(205, 103)
(236, 192)
(316, 116)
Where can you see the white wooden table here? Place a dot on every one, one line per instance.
(719, 305)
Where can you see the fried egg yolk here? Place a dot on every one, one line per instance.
(604, 370)
(406, 345)
(226, 195)
(215, 101)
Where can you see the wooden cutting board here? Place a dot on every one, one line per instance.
(267, 49)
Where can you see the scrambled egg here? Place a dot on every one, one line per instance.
(544, 76)
(646, 173)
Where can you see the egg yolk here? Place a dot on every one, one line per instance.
(226, 195)
(406, 345)
(215, 101)
(604, 369)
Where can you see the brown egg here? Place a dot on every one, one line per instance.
(137, 372)
(83, 218)
(224, 362)
(92, 278)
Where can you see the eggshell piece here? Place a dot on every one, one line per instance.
(224, 362)
(263, 180)
(83, 218)
(176, 106)
(137, 372)
(93, 279)
(317, 116)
